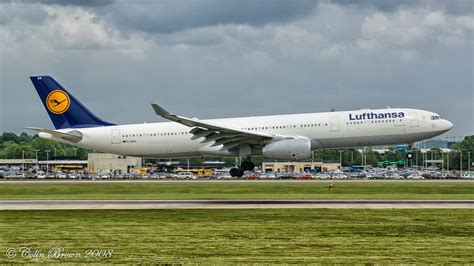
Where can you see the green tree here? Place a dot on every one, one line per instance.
(8, 136)
(13, 146)
(466, 147)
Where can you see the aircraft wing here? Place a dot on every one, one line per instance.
(73, 136)
(221, 135)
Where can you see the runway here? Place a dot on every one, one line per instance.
(230, 204)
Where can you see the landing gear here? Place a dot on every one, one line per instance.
(236, 172)
(247, 165)
(409, 154)
(244, 166)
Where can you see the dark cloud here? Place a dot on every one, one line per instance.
(172, 16)
(452, 7)
(87, 3)
(309, 57)
(24, 15)
(386, 6)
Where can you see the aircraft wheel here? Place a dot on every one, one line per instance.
(236, 172)
(247, 165)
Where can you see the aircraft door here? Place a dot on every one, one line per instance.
(334, 120)
(116, 136)
(413, 117)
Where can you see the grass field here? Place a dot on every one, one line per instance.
(245, 236)
(237, 191)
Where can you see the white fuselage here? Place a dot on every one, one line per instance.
(325, 130)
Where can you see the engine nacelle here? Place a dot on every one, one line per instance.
(289, 149)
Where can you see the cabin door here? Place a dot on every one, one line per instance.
(413, 119)
(116, 136)
(334, 123)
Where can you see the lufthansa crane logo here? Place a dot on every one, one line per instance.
(58, 102)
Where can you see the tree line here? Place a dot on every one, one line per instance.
(13, 146)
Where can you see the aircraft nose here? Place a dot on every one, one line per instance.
(449, 125)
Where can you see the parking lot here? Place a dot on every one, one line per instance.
(368, 173)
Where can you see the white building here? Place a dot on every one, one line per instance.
(112, 163)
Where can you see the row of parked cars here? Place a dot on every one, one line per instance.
(366, 174)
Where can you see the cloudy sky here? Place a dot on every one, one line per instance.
(224, 58)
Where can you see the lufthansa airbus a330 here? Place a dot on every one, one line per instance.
(285, 137)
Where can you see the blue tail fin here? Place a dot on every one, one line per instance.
(63, 108)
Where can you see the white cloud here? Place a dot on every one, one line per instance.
(400, 35)
(412, 28)
(64, 29)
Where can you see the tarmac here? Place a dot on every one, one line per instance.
(230, 204)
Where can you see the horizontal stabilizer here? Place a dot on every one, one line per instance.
(71, 136)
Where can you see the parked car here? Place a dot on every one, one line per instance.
(467, 175)
(40, 175)
(61, 175)
(225, 176)
(73, 176)
(415, 176)
(304, 176)
(268, 176)
(184, 175)
(322, 176)
(251, 176)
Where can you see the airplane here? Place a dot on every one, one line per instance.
(282, 137)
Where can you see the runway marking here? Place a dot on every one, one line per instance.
(230, 204)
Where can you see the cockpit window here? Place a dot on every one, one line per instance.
(435, 117)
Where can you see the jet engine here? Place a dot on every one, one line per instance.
(289, 149)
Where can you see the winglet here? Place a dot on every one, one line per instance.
(160, 110)
(167, 115)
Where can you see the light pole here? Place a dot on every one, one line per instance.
(469, 161)
(460, 161)
(340, 158)
(364, 158)
(47, 162)
(447, 161)
(416, 158)
(36, 152)
(23, 160)
(426, 159)
(442, 161)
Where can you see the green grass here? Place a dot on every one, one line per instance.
(246, 236)
(238, 191)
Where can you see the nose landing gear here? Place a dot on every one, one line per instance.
(409, 155)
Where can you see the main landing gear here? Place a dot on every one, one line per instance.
(236, 172)
(247, 165)
(244, 166)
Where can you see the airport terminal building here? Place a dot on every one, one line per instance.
(299, 166)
